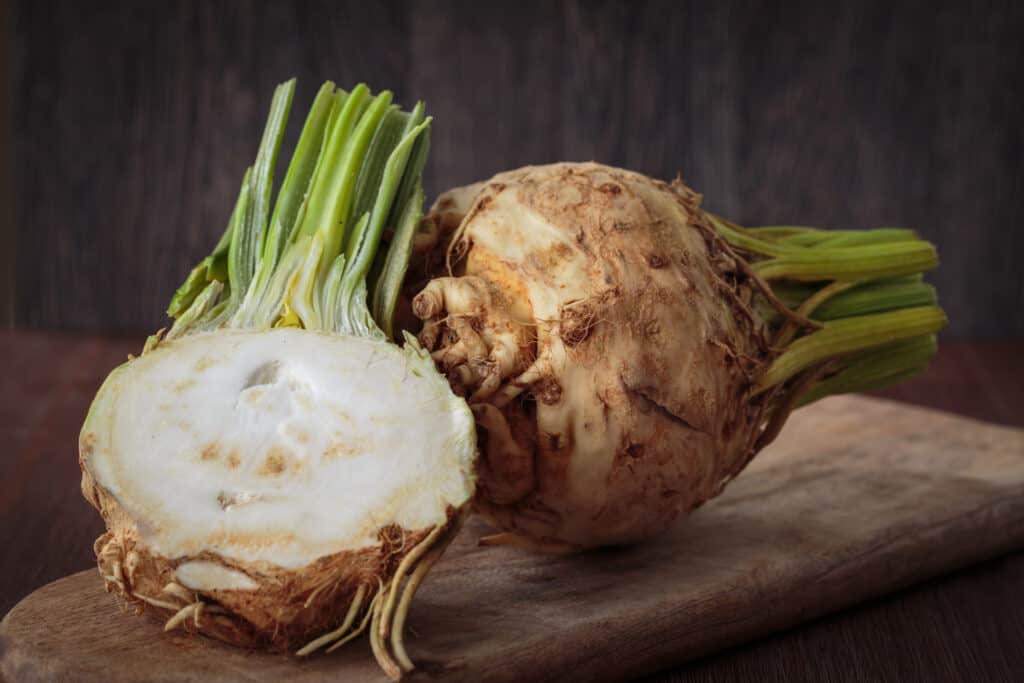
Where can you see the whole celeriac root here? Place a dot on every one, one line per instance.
(626, 353)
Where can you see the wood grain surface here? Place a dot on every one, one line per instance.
(964, 627)
(133, 122)
(859, 497)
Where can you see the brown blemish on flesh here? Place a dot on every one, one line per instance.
(299, 434)
(275, 463)
(210, 452)
(183, 385)
(234, 459)
(340, 449)
(204, 362)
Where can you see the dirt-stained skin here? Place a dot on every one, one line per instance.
(605, 338)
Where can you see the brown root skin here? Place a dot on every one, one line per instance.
(608, 347)
(289, 608)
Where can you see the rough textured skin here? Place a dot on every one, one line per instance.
(604, 336)
(276, 615)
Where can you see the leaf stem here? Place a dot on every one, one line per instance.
(842, 337)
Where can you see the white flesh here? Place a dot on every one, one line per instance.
(279, 446)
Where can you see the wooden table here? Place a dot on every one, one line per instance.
(968, 626)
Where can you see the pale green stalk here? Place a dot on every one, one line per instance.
(355, 171)
(877, 317)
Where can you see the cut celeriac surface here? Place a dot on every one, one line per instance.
(281, 447)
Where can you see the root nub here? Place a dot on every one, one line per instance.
(473, 338)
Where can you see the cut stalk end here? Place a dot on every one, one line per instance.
(878, 318)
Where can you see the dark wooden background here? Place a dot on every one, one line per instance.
(132, 122)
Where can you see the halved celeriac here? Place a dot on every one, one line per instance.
(275, 471)
(265, 478)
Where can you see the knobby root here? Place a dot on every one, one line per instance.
(533, 374)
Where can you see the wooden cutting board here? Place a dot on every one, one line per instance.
(857, 497)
